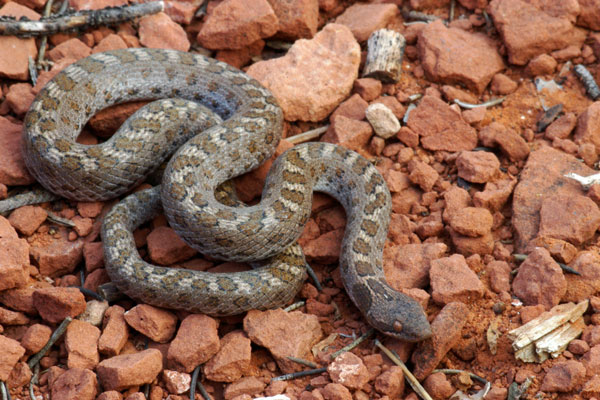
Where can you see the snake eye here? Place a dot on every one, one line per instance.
(397, 326)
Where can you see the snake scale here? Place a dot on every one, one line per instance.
(240, 124)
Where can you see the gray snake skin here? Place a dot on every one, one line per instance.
(240, 124)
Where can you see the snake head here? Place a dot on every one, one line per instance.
(402, 318)
(391, 312)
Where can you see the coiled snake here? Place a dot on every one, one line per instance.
(241, 126)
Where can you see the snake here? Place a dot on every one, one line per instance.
(212, 123)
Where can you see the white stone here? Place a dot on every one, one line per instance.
(382, 119)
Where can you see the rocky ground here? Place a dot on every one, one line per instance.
(471, 187)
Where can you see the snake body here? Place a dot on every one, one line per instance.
(241, 126)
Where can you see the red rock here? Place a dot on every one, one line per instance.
(330, 62)
(591, 335)
(431, 225)
(124, 371)
(14, 263)
(197, 332)
(499, 273)
(580, 287)
(297, 19)
(477, 166)
(539, 280)
(115, 332)
(156, 323)
(318, 308)
(440, 127)
(527, 32)
(6, 230)
(587, 130)
(74, 384)
(326, 248)
(495, 194)
(391, 382)
(166, 247)
(19, 97)
(161, 32)
(181, 12)
(249, 385)
(364, 19)
(110, 42)
(110, 395)
(452, 55)
(456, 198)
(591, 361)
(12, 166)
(93, 255)
(562, 127)
(472, 221)
(89, 209)
(467, 245)
(81, 343)
(438, 386)
(401, 229)
(423, 175)
(512, 144)
(8, 317)
(408, 266)
(35, 337)
(56, 303)
(565, 145)
(141, 396)
(335, 391)
(589, 15)
(574, 218)
(452, 93)
(531, 312)
(27, 219)
(283, 334)
(21, 299)
(96, 4)
(176, 382)
(349, 133)
(19, 376)
(543, 64)
(408, 137)
(568, 53)
(541, 178)
(446, 328)
(474, 116)
(73, 49)
(397, 181)
(233, 24)
(591, 389)
(368, 88)
(58, 255)
(353, 108)
(275, 388)
(452, 280)
(349, 370)
(578, 347)
(243, 56)
(15, 52)
(11, 352)
(95, 279)
(83, 226)
(232, 360)
(564, 377)
(503, 85)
